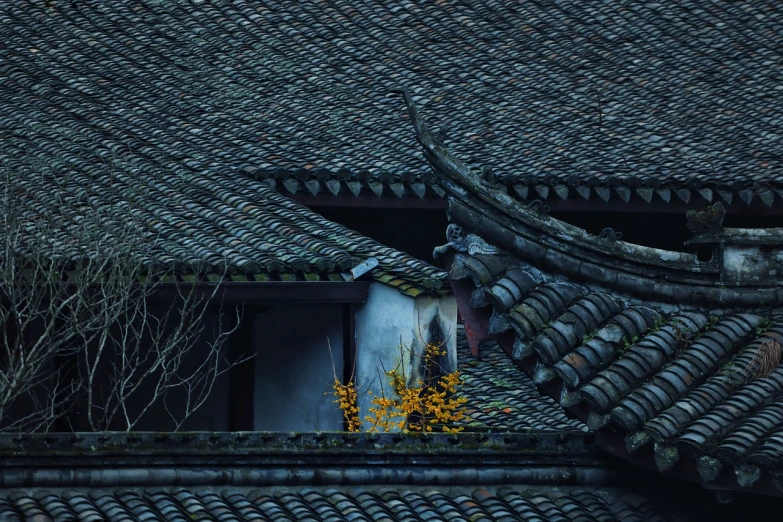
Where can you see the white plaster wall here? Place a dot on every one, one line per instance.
(446, 309)
(294, 369)
(389, 319)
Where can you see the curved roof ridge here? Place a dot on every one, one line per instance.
(483, 208)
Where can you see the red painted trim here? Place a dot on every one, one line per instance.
(474, 321)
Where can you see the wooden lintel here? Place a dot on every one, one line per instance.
(271, 292)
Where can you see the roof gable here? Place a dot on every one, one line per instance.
(204, 225)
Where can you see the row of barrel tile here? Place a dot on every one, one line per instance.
(297, 85)
(325, 504)
(689, 379)
(501, 396)
(209, 223)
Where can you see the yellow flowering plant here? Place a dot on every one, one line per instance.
(347, 399)
(424, 405)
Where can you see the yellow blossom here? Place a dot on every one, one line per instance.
(424, 405)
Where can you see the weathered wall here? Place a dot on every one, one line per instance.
(389, 320)
(752, 263)
(294, 369)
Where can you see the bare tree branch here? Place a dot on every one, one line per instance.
(77, 273)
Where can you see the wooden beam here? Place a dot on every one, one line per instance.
(271, 292)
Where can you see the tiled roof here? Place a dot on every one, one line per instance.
(326, 504)
(687, 380)
(209, 225)
(323, 476)
(646, 102)
(677, 353)
(501, 396)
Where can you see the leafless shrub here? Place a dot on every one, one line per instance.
(76, 277)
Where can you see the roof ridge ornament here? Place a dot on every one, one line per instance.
(610, 234)
(742, 254)
(461, 242)
(539, 208)
(706, 222)
(749, 261)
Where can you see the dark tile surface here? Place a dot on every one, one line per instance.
(625, 101)
(326, 504)
(689, 381)
(500, 395)
(207, 225)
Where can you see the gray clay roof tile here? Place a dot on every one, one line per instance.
(686, 379)
(207, 224)
(379, 503)
(566, 99)
(501, 397)
(705, 363)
